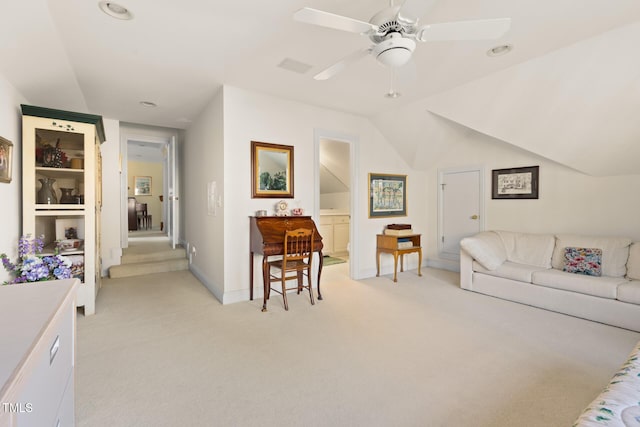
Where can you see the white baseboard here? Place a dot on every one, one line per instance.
(444, 264)
(114, 258)
(194, 270)
(239, 295)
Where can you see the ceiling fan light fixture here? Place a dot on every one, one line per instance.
(394, 51)
(500, 50)
(115, 10)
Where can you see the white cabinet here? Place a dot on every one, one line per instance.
(61, 150)
(335, 234)
(38, 353)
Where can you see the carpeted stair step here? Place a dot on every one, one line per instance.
(142, 268)
(168, 254)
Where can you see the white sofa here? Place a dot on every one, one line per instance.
(619, 404)
(528, 268)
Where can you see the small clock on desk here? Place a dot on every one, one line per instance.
(282, 208)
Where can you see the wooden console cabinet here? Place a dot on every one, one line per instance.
(389, 244)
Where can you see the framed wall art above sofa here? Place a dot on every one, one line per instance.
(515, 183)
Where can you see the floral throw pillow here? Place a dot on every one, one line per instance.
(586, 261)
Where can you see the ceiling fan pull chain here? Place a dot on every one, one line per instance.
(392, 93)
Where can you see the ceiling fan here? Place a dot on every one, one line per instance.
(395, 30)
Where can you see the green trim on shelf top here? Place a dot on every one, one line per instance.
(51, 113)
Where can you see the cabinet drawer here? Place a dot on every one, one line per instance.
(326, 220)
(48, 371)
(66, 412)
(341, 219)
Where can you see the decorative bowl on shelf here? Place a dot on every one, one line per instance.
(297, 211)
(70, 244)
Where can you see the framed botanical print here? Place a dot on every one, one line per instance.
(387, 195)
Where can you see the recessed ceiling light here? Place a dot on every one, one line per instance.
(500, 50)
(115, 10)
(148, 104)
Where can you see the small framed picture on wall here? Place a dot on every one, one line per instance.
(142, 185)
(6, 159)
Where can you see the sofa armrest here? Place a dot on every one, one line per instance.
(466, 270)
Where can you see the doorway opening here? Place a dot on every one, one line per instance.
(145, 195)
(335, 193)
(148, 184)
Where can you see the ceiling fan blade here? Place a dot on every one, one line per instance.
(342, 64)
(482, 29)
(412, 10)
(331, 20)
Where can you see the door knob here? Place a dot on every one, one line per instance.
(474, 216)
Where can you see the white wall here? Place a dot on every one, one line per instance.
(10, 194)
(110, 149)
(338, 201)
(569, 201)
(252, 116)
(202, 161)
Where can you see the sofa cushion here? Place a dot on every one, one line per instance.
(510, 270)
(527, 248)
(604, 287)
(586, 261)
(615, 251)
(485, 247)
(629, 292)
(633, 263)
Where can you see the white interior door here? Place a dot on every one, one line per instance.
(461, 210)
(174, 198)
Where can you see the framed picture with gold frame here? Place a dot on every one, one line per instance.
(6, 159)
(387, 195)
(271, 170)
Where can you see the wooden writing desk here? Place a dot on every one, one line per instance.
(389, 244)
(267, 238)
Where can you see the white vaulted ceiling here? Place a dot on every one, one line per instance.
(568, 91)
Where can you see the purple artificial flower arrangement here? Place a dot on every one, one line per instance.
(33, 267)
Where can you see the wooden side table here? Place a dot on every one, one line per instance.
(389, 244)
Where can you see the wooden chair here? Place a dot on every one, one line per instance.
(143, 216)
(297, 259)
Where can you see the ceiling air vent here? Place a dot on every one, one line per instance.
(295, 66)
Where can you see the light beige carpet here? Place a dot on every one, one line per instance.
(161, 351)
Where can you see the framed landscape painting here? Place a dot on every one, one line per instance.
(387, 195)
(6, 159)
(271, 170)
(142, 185)
(515, 183)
